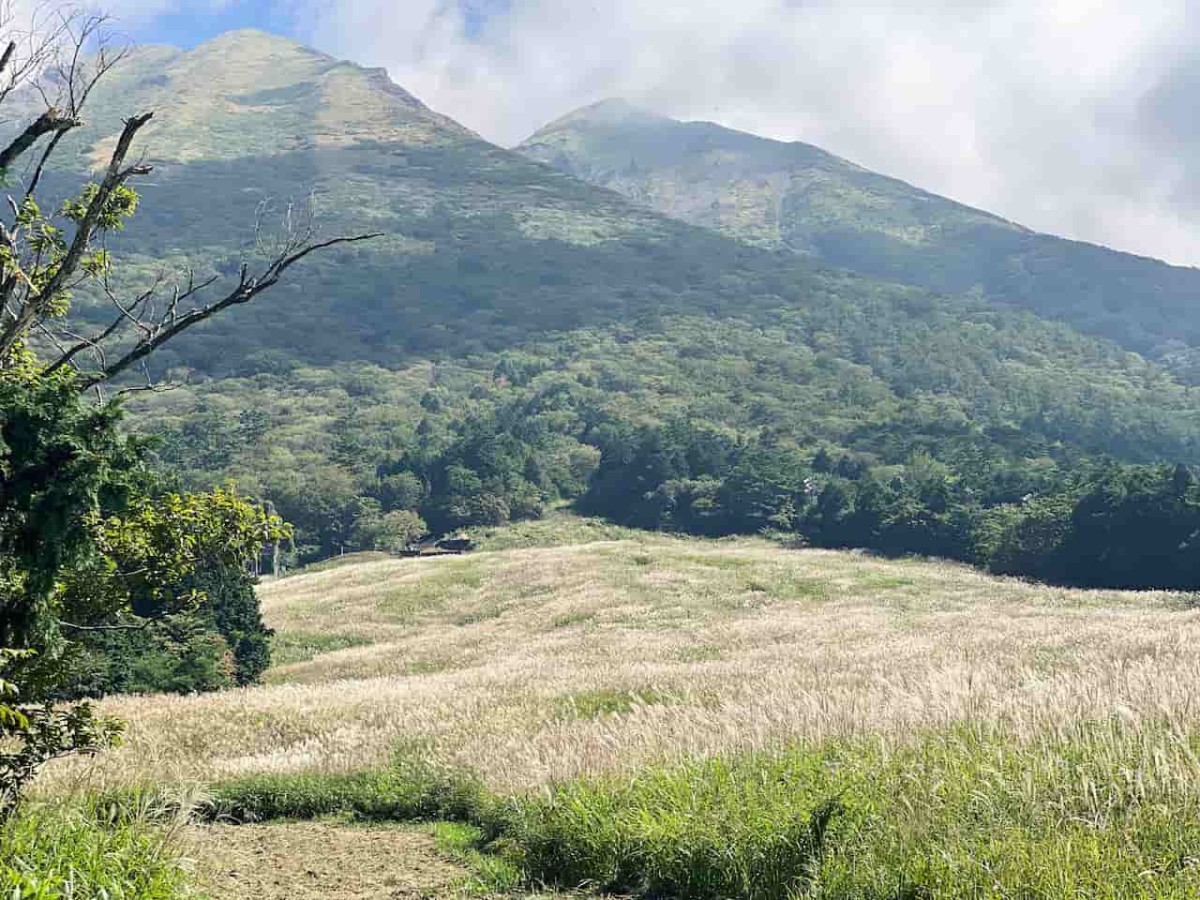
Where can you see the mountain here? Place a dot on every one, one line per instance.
(517, 325)
(801, 198)
(250, 118)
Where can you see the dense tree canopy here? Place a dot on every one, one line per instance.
(707, 440)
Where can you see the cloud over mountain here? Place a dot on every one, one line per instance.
(1071, 116)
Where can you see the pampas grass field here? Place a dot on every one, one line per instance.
(692, 718)
(539, 664)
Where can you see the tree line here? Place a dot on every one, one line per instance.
(1099, 524)
(531, 438)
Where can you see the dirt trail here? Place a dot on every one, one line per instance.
(310, 860)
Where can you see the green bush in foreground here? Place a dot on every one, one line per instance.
(86, 853)
(1103, 812)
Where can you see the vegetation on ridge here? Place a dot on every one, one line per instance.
(798, 197)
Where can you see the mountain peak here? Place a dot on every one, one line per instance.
(612, 111)
(252, 93)
(254, 43)
(239, 35)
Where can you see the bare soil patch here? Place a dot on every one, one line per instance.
(309, 860)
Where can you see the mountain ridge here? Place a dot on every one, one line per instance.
(626, 110)
(798, 197)
(618, 111)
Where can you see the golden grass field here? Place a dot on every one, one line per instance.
(538, 663)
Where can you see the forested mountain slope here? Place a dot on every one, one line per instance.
(518, 333)
(799, 197)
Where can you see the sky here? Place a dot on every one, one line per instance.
(1075, 117)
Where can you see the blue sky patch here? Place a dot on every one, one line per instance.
(196, 21)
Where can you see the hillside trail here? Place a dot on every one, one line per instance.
(310, 860)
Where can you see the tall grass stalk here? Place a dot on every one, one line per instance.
(90, 850)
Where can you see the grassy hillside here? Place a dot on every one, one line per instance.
(796, 196)
(910, 690)
(510, 660)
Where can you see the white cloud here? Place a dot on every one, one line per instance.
(1066, 115)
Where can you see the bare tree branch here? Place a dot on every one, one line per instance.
(116, 175)
(40, 168)
(49, 122)
(8, 55)
(95, 344)
(153, 388)
(139, 626)
(23, 63)
(248, 288)
(78, 80)
(53, 338)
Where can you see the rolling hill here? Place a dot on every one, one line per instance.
(801, 198)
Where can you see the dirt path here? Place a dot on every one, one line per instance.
(310, 860)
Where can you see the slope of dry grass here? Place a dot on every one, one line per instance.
(537, 664)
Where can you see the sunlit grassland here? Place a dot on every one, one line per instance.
(658, 716)
(541, 664)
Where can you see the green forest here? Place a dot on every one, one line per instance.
(702, 430)
(797, 197)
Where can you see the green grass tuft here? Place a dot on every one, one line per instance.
(491, 874)
(716, 830)
(288, 647)
(575, 618)
(408, 790)
(86, 852)
(699, 653)
(557, 529)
